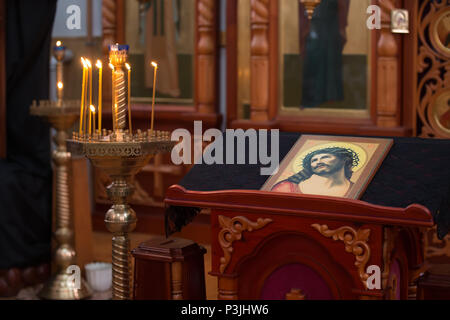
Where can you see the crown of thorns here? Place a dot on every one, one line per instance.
(332, 150)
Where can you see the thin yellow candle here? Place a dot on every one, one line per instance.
(129, 97)
(91, 107)
(82, 96)
(93, 117)
(90, 80)
(113, 109)
(155, 65)
(99, 66)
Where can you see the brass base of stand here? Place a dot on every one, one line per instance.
(62, 287)
(121, 160)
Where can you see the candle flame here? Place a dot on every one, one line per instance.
(60, 85)
(83, 61)
(92, 108)
(111, 66)
(154, 64)
(128, 66)
(58, 43)
(98, 64)
(88, 62)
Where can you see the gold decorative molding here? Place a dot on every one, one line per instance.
(355, 243)
(435, 247)
(433, 73)
(232, 229)
(295, 294)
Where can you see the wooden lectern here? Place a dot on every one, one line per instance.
(283, 246)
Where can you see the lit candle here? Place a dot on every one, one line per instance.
(129, 97)
(113, 103)
(155, 65)
(99, 66)
(60, 89)
(82, 95)
(93, 117)
(90, 80)
(91, 107)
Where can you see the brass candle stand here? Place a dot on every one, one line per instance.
(121, 155)
(61, 286)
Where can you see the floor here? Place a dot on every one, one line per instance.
(102, 253)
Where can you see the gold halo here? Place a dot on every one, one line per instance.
(297, 164)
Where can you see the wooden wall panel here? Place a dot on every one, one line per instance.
(389, 115)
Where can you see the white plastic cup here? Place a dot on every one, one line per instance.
(99, 275)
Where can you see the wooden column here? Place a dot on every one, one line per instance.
(2, 79)
(177, 280)
(259, 60)
(228, 287)
(206, 64)
(388, 71)
(113, 21)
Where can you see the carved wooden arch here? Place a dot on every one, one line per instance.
(205, 61)
(259, 256)
(390, 104)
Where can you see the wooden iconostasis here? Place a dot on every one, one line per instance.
(354, 81)
(333, 74)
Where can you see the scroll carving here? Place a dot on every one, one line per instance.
(295, 294)
(232, 230)
(433, 72)
(388, 81)
(355, 243)
(259, 60)
(434, 247)
(206, 58)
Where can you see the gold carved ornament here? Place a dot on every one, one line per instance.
(433, 71)
(232, 229)
(355, 243)
(435, 247)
